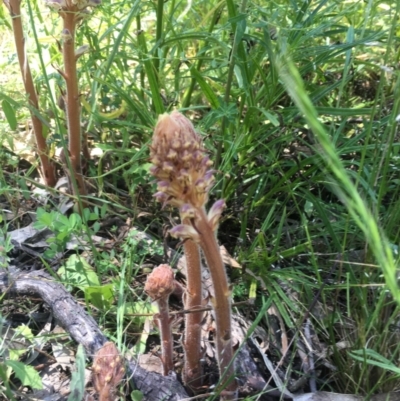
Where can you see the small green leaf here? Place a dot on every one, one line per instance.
(10, 114)
(25, 331)
(100, 296)
(27, 374)
(15, 354)
(136, 395)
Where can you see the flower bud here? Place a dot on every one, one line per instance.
(160, 282)
(56, 5)
(185, 231)
(81, 51)
(215, 212)
(66, 35)
(187, 211)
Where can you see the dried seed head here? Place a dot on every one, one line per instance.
(179, 160)
(108, 370)
(160, 282)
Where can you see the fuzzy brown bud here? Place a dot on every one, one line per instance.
(160, 282)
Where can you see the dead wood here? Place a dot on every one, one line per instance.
(83, 328)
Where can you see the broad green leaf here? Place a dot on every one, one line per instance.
(79, 273)
(27, 374)
(100, 296)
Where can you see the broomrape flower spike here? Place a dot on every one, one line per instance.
(179, 161)
(107, 372)
(182, 169)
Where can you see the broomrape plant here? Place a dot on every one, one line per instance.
(184, 178)
(72, 13)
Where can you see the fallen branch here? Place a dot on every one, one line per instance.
(84, 330)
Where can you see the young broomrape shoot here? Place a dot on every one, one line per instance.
(159, 286)
(182, 169)
(107, 371)
(72, 13)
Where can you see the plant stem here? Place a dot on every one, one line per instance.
(72, 104)
(192, 373)
(221, 305)
(193, 81)
(159, 32)
(166, 335)
(48, 167)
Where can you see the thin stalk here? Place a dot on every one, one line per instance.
(239, 53)
(193, 81)
(192, 373)
(142, 74)
(73, 112)
(48, 167)
(159, 32)
(221, 305)
(166, 336)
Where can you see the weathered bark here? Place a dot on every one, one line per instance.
(84, 330)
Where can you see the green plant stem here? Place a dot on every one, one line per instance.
(221, 305)
(73, 111)
(192, 374)
(159, 31)
(227, 96)
(193, 81)
(48, 167)
(166, 335)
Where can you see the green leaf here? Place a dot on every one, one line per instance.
(79, 273)
(136, 395)
(100, 296)
(365, 355)
(15, 354)
(206, 88)
(10, 114)
(78, 377)
(25, 331)
(27, 374)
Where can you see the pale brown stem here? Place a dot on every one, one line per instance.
(48, 167)
(221, 305)
(166, 336)
(105, 394)
(192, 373)
(73, 111)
